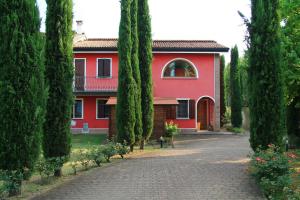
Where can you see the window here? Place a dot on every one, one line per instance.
(103, 67)
(78, 109)
(79, 81)
(181, 69)
(182, 111)
(102, 109)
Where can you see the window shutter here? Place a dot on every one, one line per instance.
(100, 67)
(192, 109)
(106, 67)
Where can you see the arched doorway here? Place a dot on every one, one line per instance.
(205, 114)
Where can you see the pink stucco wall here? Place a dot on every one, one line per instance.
(191, 88)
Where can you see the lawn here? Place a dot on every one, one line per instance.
(86, 141)
(296, 166)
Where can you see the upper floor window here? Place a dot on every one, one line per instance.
(78, 109)
(104, 67)
(180, 68)
(103, 110)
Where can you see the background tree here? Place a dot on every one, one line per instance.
(227, 85)
(243, 78)
(291, 61)
(126, 86)
(266, 103)
(236, 102)
(22, 91)
(59, 76)
(145, 58)
(138, 129)
(222, 105)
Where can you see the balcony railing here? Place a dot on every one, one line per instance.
(94, 84)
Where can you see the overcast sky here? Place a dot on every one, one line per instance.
(171, 19)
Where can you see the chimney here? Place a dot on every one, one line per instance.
(79, 27)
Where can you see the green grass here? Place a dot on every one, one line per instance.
(87, 141)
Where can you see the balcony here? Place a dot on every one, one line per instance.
(94, 84)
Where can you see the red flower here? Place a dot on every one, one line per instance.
(291, 155)
(258, 159)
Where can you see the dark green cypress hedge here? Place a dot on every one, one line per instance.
(138, 129)
(222, 90)
(145, 58)
(22, 91)
(236, 99)
(59, 76)
(266, 103)
(126, 86)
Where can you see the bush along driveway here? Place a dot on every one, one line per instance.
(200, 167)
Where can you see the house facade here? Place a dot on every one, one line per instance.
(186, 83)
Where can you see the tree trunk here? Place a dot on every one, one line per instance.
(58, 173)
(142, 144)
(172, 142)
(131, 148)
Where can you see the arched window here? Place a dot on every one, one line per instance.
(180, 68)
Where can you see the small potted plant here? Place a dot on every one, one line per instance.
(171, 129)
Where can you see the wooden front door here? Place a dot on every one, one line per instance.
(204, 114)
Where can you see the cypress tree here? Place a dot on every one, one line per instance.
(267, 113)
(59, 76)
(126, 86)
(236, 101)
(138, 129)
(222, 90)
(22, 92)
(145, 58)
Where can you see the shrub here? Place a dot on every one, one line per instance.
(84, 158)
(171, 129)
(122, 149)
(272, 171)
(96, 155)
(47, 167)
(74, 166)
(109, 150)
(12, 181)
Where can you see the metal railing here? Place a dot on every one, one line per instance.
(93, 83)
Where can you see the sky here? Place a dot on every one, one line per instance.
(171, 19)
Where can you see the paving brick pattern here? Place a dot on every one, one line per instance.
(200, 167)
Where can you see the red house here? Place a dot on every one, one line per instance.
(186, 78)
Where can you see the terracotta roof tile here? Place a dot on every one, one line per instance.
(157, 101)
(158, 45)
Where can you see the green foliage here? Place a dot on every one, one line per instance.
(22, 91)
(46, 167)
(171, 129)
(122, 149)
(236, 104)
(145, 58)
(59, 76)
(222, 90)
(12, 182)
(266, 103)
(84, 158)
(243, 79)
(109, 150)
(272, 171)
(138, 129)
(125, 110)
(96, 155)
(227, 85)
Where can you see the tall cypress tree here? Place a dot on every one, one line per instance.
(236, 100)
(145, 58)
(59, 76)
(22, 92)
(126, 86)
(267, 113)
(222, 90)
(138, 129)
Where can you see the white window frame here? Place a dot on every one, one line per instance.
(188, 108)
(178, 59)
(110, 76)
(97, 108)
(82, 110)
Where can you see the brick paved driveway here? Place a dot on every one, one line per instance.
(200, 167)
